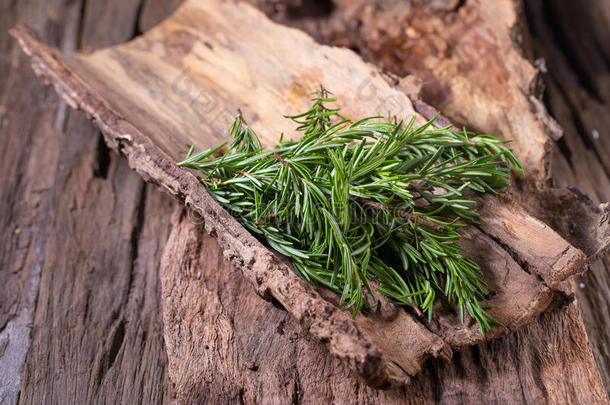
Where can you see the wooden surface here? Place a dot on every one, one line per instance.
(55, 191)
(81, 236)
(269, 359)
(130, 92)
(574, 43)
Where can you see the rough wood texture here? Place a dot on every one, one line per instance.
(516, 368)
(81, 235)
(553, 261)
(573, 41)
(131, 92)
(467, 54)
(213, 314)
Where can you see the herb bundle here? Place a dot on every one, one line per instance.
(351, 202)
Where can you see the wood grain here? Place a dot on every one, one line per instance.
(512, 369)
(574, 46)
(136, 81)
(81, 237)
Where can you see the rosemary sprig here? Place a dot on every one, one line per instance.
(375, 199)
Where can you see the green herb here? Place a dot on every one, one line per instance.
(372, 200)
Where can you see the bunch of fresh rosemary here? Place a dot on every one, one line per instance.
(352, 202)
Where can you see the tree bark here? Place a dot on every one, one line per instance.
(99, 329)
(513, 250)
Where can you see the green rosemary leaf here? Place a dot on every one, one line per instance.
(352, 203)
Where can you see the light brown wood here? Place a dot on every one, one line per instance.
(467, 54)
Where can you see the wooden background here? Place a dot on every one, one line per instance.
(82, 235)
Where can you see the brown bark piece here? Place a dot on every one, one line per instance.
(547, 255)
(151, 103)
(225, 344)
(587, 226)
(468, 55)
(516, 297)
(516, 368)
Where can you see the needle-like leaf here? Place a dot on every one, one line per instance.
(370, 200)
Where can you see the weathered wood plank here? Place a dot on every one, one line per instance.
(573, 43)
(65, 256)
(97, 333)
(30, 122)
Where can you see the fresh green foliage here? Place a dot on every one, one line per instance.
(361, 205)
